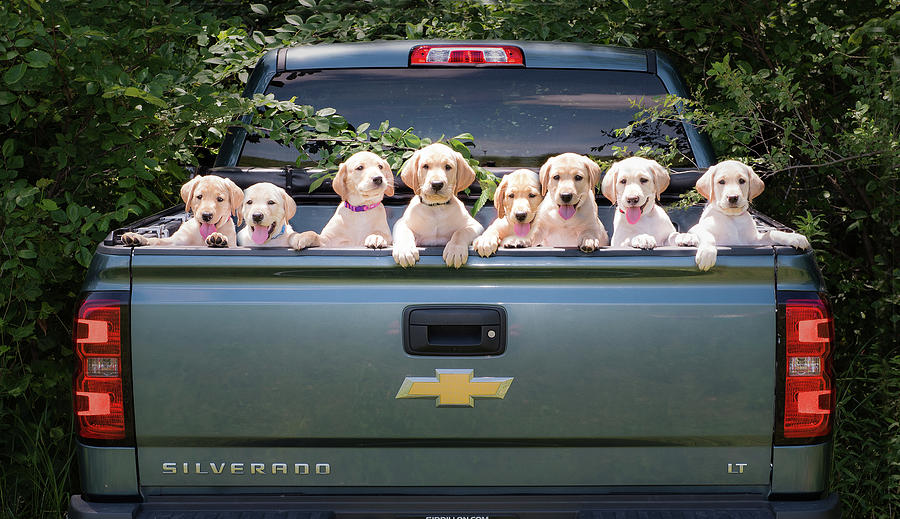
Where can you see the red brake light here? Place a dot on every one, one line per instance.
(98, 385)
(466, 55)
(808, 379)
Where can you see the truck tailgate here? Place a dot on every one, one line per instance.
(283, 370)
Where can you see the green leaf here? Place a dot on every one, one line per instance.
(325, 112)
(83, 256)
(27, 254)
(14, 74)
(38, 59)
(259, 9)
(49, 205)
(293, 19)
(7, 97)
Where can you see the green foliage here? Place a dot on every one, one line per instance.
(102, 104)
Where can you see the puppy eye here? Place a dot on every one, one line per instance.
(424, 166)
(742, 181)
(622, 181)
(447, 167)
(199, 197)
(249, 202)
(555, 177)
(722, 181)
(219, 199)
(381, 166)
(271, 202)
(510, 195)
(531, 195)
(359, 168)
(643, 181)
(578, 178)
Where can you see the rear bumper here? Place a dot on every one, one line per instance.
(460, 507)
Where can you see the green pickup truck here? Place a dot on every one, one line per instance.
(622, 383)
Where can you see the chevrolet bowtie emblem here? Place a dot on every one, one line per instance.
(454, 387)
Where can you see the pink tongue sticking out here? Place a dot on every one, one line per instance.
(566, 211)
(206, 229)
(260, 235)
(522, 229)
(633, 214)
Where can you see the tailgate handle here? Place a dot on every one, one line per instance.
(454, 330)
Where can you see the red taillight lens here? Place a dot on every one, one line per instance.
(466, 55)
(808, 385)
(98, 386)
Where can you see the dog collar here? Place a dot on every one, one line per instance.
(432, 205)
(283, 226)
(361, 208)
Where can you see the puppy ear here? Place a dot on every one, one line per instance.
(756, 184)
(339, 182)
(705, 184)
(593, 172)
(499, 197)
(545, 176)
(187, 192)
(237, 199)
(660, 176)
(290, 207)
(388, 178)
(608, 187)
(465, 175)
(409, 172)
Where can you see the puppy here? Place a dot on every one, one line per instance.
(517, 199)
(435, 216)
(729, 187)
(268, 210)
(567, 217)
(634, 185)
(212, 200)
(360, 220)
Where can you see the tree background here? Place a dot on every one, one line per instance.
(102, 103)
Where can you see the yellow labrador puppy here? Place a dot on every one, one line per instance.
(568, 215)
(729, 187)
(361, 220)
(212, 200)
(634, 185)
(435, 216)
(517, 199)
(268, 210)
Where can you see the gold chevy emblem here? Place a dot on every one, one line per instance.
(454, 387)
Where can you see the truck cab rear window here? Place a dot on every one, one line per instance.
(518, 117)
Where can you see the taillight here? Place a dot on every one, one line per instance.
(99, 387)
(806, 385)
(466, 55)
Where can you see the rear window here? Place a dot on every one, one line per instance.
(518, 117)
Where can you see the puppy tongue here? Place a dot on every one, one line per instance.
(566, 211)
(633, 214)
(522, 229)
(260, 235)
(206, 229)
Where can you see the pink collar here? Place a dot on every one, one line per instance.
(361, 208)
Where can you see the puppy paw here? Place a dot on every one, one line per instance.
(516, 243)
(797, 241)
(485, 245)
(643, 241)
(133, 239)
(706, 257)
(217, 239)
(406, 256)
(456, 255)
(590, 244)
(686, 239)
(303, 240)
(375, 241)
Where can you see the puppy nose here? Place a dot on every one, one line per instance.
(566, 197)
(437, 185)
(733, 199)
(633, 200)
(521, 216)
(377, 180)
(257, 217)
(206, 216)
